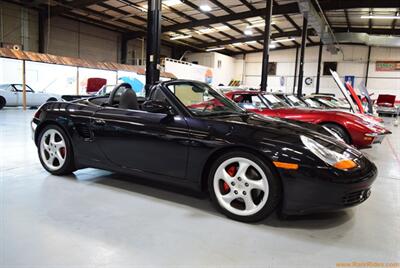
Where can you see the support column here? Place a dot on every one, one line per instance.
(295, 69)
(267, 33)
(124, 49)
(302, 50)
(77, 81)
(321, 45)
(24, 85)
(41, 26)
(367, 70)
(153, 43)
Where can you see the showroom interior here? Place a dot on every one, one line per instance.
(204, 133)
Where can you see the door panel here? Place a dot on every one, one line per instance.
(149, 142)
(11, 96)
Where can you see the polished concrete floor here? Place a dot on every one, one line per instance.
(99, 219)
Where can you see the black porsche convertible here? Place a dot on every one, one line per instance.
(187, 134)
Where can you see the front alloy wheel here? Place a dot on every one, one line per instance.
(55, 151)
(244, 187)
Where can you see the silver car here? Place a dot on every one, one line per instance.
(11, 95)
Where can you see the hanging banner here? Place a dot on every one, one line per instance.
(349, 79)
(387, 66)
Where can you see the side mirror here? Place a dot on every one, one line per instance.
(153, 106)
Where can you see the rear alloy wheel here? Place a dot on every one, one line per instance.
(339, 131)
(2, 102)
(243, 187)
(55, 151)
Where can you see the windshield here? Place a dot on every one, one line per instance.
(296, 101)
(313, 103)
(106, 89)
(327, 103)
(202, 100)
(273, 102)
(249, 101)
(333, 102)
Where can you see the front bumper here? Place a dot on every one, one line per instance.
(34, 124)
(388, 110)
(310, 189)
(375, 138)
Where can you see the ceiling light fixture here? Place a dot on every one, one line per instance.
(205, 8)
(214, 49)
(212, 30)
(171, 3)
(381, 17)
(177, 37)
(282, 40)
(258, 24)
(248, 32)
(272, 46)
(251, 42)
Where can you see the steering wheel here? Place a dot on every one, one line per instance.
(207, 105)
(111, 99)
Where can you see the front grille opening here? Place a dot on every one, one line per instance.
(356, 197)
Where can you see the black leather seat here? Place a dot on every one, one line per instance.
(128, 100)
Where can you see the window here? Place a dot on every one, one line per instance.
(273, 102)
(19, 88)
(296, 101)
(272, 68)
(329, 65)
(249, 101)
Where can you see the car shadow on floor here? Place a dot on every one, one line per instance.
(201, 201)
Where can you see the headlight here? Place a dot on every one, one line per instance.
(369, 122)
(340, 161)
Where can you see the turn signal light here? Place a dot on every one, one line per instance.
(286, 165)
(345, 164)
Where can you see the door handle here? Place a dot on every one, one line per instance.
(99, 122)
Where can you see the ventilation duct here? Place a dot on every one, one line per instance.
(318, 24)
(367, 39)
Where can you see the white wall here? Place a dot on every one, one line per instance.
(352, 61)
(223, 72)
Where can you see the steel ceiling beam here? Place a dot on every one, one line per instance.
(282, 9)
(258, 38)
(346, 14)
(275, 49)
(67, 6)
(348, 4)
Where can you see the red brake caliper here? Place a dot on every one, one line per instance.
(231, 172)
(62, 151)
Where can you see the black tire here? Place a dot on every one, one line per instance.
(51, 99)
(340, 131)
(69, 165)
(274, 184)
(2, 102)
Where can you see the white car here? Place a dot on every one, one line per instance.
(11, 95)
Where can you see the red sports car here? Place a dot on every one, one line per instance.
(352, 128)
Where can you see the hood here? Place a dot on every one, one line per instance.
(386, 100)
(286, 130)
